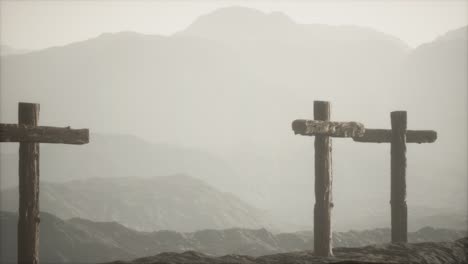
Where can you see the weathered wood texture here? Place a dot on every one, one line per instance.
(385, 136)
(323, 185)
(42, 134)
(327, 128)
(28, 218)
(399, 211)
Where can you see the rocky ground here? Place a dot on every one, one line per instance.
(425, 253)
(83, 241)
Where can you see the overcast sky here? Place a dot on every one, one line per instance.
(41, 24)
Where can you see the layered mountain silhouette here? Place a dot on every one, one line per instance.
(200, 72)
(83, 241)
(227, 88)
(124, 180)
(116, 156)
(176, 202)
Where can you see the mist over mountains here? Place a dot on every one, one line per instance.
(226, 89)
(84, 241)
(137, 184)
(175, 202)
(117, 156)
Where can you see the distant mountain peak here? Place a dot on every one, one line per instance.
(234, 13)
(237, 20)
(122, 34)
(241, 25)
(455, 34)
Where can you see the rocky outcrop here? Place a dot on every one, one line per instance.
(428, 253)
(84, 241)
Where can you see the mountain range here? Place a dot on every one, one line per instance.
(175, 202)
(84, 241)
(181, 203)
(226, 89)
(116, 156)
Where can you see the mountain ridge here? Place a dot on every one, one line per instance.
(237, 107)
(239, 20)
(177, 202)
(84, 241)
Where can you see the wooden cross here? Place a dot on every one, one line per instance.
(323, 129)
(29, 135)
(398, 136)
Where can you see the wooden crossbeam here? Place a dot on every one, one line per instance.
(43, 134)
(398, 136)
(323, 129)
(327, 128)
(29, 135)
(385, 136)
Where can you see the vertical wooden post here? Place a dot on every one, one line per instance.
(398, 178)
(28, 217)
(323, 185)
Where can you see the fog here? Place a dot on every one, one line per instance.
(38, 25)
(210, 90)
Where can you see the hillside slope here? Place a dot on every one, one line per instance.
(176, 202)
(85, 241)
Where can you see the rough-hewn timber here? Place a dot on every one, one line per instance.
(385, 136)
(28, 218)
(327, 128)
(42, 134)
(398, 136)
(29, 135)
(399, 211)
(323, 185)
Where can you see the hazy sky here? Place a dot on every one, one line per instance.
(41, 24)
